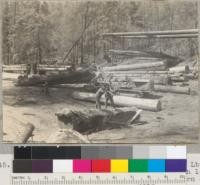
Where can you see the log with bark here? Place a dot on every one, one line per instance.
(172, 89)
(81, 76)
(122, 101)
(160, 65)
(88, 121)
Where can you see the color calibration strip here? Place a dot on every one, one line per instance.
(99, 159)
(99, 166)
(100, 152)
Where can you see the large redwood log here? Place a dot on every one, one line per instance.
(172, 89)
(123, 101)
(162, 65)
(81, 76)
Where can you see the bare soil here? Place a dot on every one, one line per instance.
(178, 122)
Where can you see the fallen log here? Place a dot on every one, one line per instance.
(128, 52)
(123, 101)
(166, 32)
(161, 65)
(179, 78)
(87, 121)
(164, 80)
(26, 132)
(180, 69)
(23, 68)
(52, 69)
(172, 89)
(81, 76)
(161, 36)
(190, 76)
(140, 72)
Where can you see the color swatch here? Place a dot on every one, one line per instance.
(119, 166)
(101, 152)
(100, 159)
(100, 166)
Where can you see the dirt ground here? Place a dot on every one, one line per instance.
(176, 123)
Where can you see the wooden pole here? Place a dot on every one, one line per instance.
(160, 36)
(166, 32)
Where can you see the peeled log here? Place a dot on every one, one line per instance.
(26, 132)
(180, 69)
(166, 32)
(172, 89)
(164, 80)
(128, 53)
(144, 66)
(134, 67)
(141, 72)
(123, 101)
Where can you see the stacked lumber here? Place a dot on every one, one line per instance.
(122, 101)
(92, 120)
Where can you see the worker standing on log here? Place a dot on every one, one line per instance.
(109, 96)
(99, 94)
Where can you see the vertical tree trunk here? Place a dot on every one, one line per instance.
(82, 40)
(8, 55)
(39, 49)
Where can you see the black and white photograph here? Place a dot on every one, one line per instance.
(100, 71)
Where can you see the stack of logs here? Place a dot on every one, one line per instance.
(142, 78)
